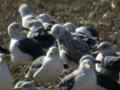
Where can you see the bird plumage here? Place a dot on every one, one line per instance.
(51, 67)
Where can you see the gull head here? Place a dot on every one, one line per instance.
(14, 29)
(83, 31)
(24, 10)
(103, 46)
(87, 62)
(57, 31)
(53, 51)
(69, 27)
(45, 18)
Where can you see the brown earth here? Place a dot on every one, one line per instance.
(103, 15)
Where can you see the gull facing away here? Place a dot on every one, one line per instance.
(22, 49)
(6, 79)
(83, 78)
(72, 48)
(109, 75)
(26, 14)
(51, 68)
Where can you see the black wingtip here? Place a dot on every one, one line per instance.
(2, 50)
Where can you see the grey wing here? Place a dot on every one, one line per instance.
(38, 62)
(67, 82)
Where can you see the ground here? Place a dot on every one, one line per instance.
(103, 15)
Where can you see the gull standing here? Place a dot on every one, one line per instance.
(84, 78)
(51, 68)
(105, 49)
(69, 47)
(22, 49)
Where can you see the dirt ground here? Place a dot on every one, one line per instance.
(103, 15)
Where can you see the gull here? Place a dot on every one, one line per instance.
(29, 21)
(105, 49)
(110, 61)
(83, 78)
(38, 33)
(109, 75)
(38, 30)
(51, 68)
(69, 47)
(22, 49)
(6, 79)
(89, 35)
(111, 67)
(27, 15)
